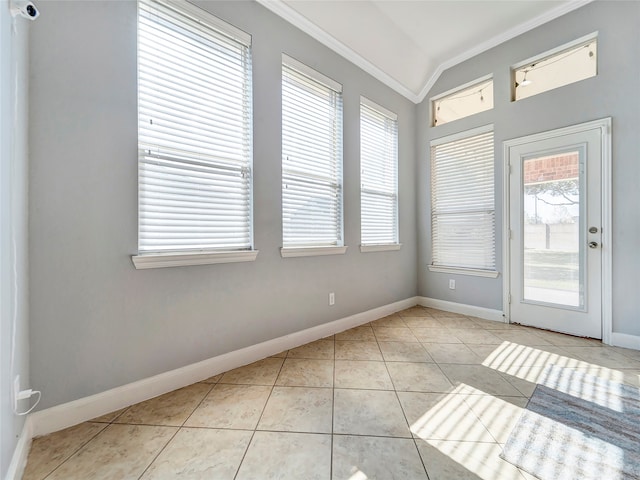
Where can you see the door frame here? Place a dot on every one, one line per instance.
(604, 125)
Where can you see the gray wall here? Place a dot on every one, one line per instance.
(96, 322)
(613, 92)
(14, 359)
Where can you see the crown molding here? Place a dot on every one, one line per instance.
(499, 39)
(300, 21)
(303, 23)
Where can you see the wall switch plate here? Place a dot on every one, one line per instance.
(332, 299)
(452, 284)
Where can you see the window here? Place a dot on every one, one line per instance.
(378, 176)
(564, 65)
(311, 161)
(462, 203)
(194, 136)
(470, 98)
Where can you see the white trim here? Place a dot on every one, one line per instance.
(625, 340)
(206, 18)
(162, 260)
(461, 135)
(71, 413)
(21, 452)
(474, 272)
(292, 252)
(463, 309)
(380, 248)
(296, 19)
(585, 40)
(604, 125)
(499, 39)
(378, 108)
(311, 73)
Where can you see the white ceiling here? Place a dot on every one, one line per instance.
(408, 43)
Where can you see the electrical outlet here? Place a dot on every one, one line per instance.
(452, 284)
(332, 299)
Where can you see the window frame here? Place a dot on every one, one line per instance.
(390, 160)
(185, 12)
(317, 80)
(450, 94)
(457, 269)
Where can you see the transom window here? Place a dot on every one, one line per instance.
(463, 101)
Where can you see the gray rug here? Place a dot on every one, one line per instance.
(578, 427)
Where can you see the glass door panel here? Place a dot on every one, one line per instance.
(553, 253)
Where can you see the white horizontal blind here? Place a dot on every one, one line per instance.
(378, 175)
(311, 158)
(194, 131)
(462, 202)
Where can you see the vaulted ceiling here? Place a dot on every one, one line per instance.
(407, 44)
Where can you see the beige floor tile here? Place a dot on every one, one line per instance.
(389, 321)
(368, 412)
(359, 457)
(417, 311)
(418, 377)
(477, 379)
(361, 334)
(352, 350)
(215, 379)
(198, 453)
(498, 414)
(562, 340)
(508, 354)
(287, 456)
(603, 356)
(448, 460)
(262, 372)
(525, 387)
(298, 409)
(394, 334)
(435, 335)
(109, 417)
(172, 408)
(447, 315)
(477, 336)
(494, 325)
(459, 323)
(280, 355)
(48, 452)
(442, 416)
(298, 372)
(320, 350)
(119, 451)
(404, 352)
(231, 406)
(521, 337)
(423, 322)
(452, 353)
(362, 374)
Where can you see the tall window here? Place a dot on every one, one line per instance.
(311, 158)
(195, 134)
(378, 175)
(462, 202)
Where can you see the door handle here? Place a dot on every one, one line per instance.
(593, 244)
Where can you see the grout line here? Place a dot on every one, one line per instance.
(333, 407)
(179, 427)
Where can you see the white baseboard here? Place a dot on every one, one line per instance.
(626, 341)
(78, 411)
(21, 452)
(463, 309)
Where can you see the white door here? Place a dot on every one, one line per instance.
(555, 230)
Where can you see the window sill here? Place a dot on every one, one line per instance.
(173, 259)
(465, 271)
(291, 252)
(380, 248)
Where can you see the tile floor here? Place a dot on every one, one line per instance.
(422, 394)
